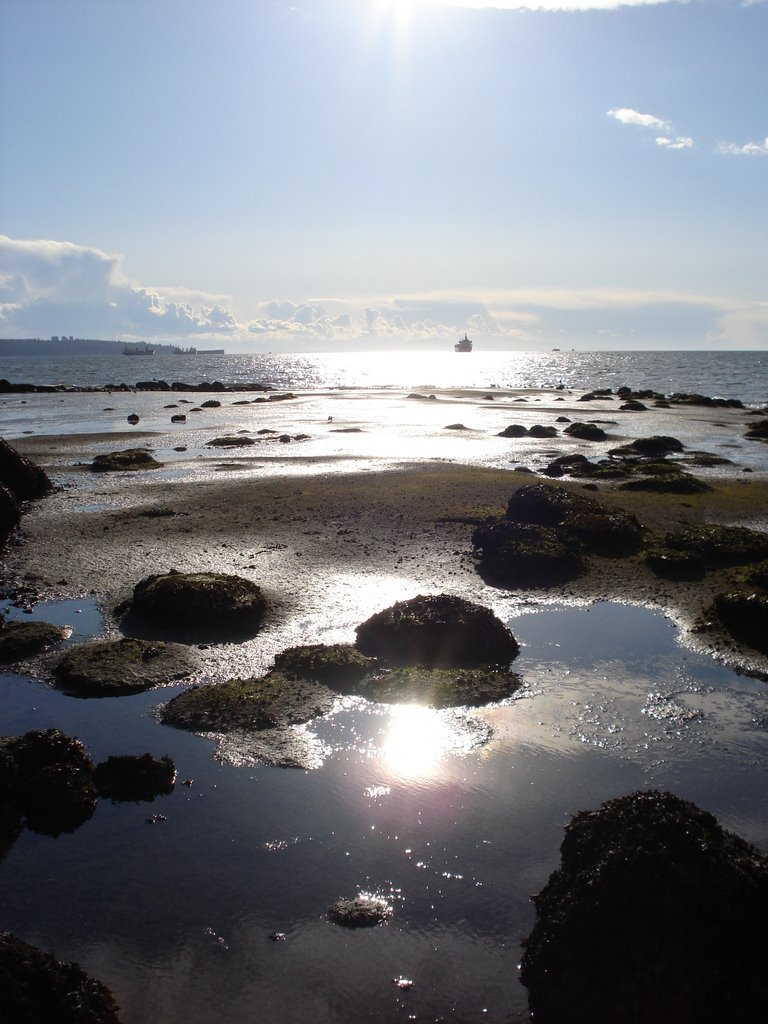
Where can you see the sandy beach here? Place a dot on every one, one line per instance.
(331, 546)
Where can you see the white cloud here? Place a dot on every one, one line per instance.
(748, 149)
(743, 327)
(678, 142)
(628, 116)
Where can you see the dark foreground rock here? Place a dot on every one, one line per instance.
(9, 514)
(39, 989)
(438, 630)
(20, 640)
(720, 545)
(46, 780)
(195, 607)
(656, 914)
(114, 667)
(135, 777)
(523, 554)
(360, 911)
(20, 475)
(745, 616)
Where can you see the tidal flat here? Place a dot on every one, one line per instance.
(218, 908)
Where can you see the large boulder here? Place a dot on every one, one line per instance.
(21, 475)
(130, 460)
(437, 630)
(526, 554)
(37, 988)
(655, 914)
(720, 545)
(196, 607)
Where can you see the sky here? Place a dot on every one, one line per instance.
(322, 175)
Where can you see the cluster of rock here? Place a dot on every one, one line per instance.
(656, 913)
(50, 784)
(439, 650)
(8, 388)
(547, 534)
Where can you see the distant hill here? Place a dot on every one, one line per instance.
(65, 347)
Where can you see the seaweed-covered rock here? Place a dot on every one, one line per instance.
(607, 531)
(135, 777)
(37, 988)
(720, 545)
(231, 441)
(24, 639)
(437, 630)
(9, 513)
(526, 554)
(46, 778)
(745, 616)
(655, 914)
(21, 475)
(650, 447)
(633, 405)
(271, 701)
(586, 431)
(545, 505)
(196, 607)
(758, 431)
(113, 667)
(513, 430)
(339, 666)
(128, 460)
(363, 911)
(540, 430)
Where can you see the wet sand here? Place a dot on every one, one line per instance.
(331, 548)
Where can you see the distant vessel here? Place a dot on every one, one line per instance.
(179, 350)
(138, 350)
(210, 351)
(463, 345)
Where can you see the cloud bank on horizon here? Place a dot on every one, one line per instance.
(340, 173)
(44, 283)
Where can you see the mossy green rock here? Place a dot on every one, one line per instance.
(25, 639)
(675, 565)
(667, 483)
(114, 667)
(272, 701)
(720, 545)
(526, 554)
(130, 460)
(196, 607)
(339, 666)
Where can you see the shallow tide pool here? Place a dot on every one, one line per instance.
(219, 911)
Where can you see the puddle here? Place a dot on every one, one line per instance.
(454, 818)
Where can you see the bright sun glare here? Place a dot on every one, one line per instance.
(416, 741)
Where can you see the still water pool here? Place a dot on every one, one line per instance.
(455, 817)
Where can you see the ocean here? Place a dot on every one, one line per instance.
(725, 374)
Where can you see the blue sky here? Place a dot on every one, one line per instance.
(323, 174)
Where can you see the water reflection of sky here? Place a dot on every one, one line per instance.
(454, 817)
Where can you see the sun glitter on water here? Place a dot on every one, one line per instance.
(416, 741)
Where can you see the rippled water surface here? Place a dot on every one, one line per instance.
(454, 817)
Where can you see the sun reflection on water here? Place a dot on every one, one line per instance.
(417, 740)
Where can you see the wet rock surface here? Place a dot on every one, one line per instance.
(114, 667)
(719, 545)
(20, 640)
(525, 554)
(39, 989)
(360, 911)
(129, 460)
(9, 514)
(195, 607)
(437, 630)
(655, 914)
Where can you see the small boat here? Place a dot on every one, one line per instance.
(138, 350)
(463, 345)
